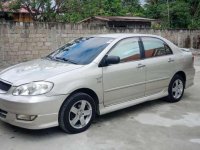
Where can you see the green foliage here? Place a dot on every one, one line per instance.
(156, 26)
(182, 13)
(1, 7)
(171, 13)
(180, 16)
(76, 10)
(195, 24)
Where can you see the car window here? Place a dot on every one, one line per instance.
(81, 51)
(127, 50)
(154, 47)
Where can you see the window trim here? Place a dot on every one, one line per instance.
(158, 39)
(140, 49)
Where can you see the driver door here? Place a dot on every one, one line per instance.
(124, 81)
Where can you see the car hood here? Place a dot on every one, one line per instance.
(36, 70)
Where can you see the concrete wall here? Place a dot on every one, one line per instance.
(25, 41)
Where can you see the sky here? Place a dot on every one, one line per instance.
(142, 2)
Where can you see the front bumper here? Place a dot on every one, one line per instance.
(46, 108)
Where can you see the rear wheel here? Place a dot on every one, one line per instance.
(176, 89)
(77, 113)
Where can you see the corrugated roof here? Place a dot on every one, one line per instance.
(117, 18)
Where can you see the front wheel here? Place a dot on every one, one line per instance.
(77, 113)
(176, 89)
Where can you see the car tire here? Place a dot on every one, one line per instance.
(77, 113)
(176, 89)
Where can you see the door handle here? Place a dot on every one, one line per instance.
(170, 60)
(140, 66)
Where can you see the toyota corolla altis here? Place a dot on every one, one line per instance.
(93, 75)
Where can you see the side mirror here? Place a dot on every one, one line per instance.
(108, 60)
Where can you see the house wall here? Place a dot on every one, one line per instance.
(22, 17)
(25, 41)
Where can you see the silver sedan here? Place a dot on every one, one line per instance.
(93, 75)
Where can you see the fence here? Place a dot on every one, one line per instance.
(25, 41)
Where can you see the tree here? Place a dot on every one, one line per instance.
(133, 7)
(45, 10)
(181, 12)
(76, 10)
(195, 13)
(1, 7)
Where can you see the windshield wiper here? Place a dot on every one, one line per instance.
(49, 57)
(66, 60)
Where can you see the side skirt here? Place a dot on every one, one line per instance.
(111, 108)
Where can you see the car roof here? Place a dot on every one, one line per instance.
(124, 35)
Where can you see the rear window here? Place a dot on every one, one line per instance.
(155, 47)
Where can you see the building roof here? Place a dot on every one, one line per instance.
(117, 18)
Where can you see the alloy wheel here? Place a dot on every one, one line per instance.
(80, 114)
(177, 89)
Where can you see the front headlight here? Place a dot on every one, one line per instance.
(33, 88)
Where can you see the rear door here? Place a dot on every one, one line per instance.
(124, 81)
(159, 60)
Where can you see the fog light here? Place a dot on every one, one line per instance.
(26, 117)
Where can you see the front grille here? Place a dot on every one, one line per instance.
(3, 113)
(4, 86)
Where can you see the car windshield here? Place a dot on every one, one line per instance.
(81, 51)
